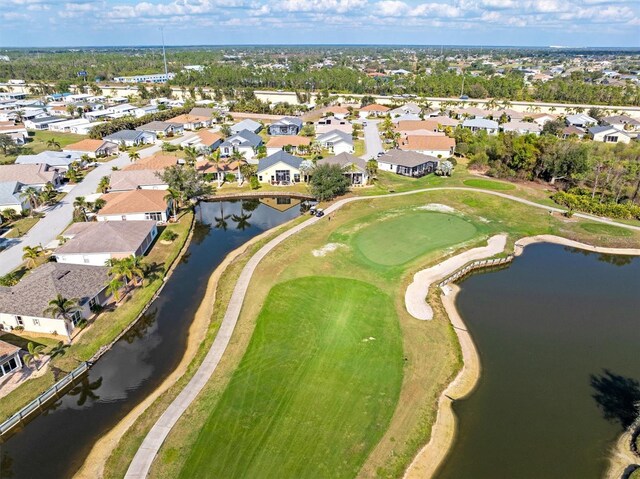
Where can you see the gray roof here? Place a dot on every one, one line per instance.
(248, 138)
(279, 156)
(345, 159)
(31, 296)
(10, 193)
(124, 180)
(47, 119)
(7, 350)
(622, 119)
(51, 158)
(594, 130)
(251, 125)
(406, 158)
(159, 126)
(202, 111)
(480, 123)
(288, 120)
(341, 134)
(106, 237)
(516, 125)
(124, 135)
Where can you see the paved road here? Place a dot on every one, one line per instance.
(372, 142)
(58, 216)
(139, 467)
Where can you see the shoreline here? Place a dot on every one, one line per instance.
(95, 461)
(432, 456)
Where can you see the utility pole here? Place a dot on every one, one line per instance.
(164, 56)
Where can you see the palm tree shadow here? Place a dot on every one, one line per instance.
(618, 397)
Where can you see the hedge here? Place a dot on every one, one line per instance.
(593, 206)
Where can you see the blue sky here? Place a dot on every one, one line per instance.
(449, 22)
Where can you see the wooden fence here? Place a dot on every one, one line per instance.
(483, 263)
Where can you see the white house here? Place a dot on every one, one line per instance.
(580, 120)
(56, 159)
(36, 175)
(203, 141)
(438, 146)
(23, 305)
(133, 179)
(281, 168)
(135, 205)
(336, 142)
(609, 134)
(42, 123)
(246, 142)
(354, 168)
(521, 127)
(92, 148)
(66, 125)
(481, 124)
(9, 358)
(248, 124)
(10, 197)
(131, 138)
(373, 110)
(407, 163)
(97, 242)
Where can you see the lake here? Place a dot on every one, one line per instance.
(558, 333)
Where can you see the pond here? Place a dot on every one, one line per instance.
(55, 444)
(558, 334)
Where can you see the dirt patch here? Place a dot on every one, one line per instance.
(326, 249)
(437, 207)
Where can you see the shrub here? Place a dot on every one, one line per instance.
(254, 183)
(168, 235)
(584, 202)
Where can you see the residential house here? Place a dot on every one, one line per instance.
(92, 148)
(66, 125)
(472, 112)
(580, 120)
(135, 205)
(42, 123)
(158, 162)
(569, 131)
(248, 124)
(9, 359)
(415, 125)
(373, 110)
(280, 168)
(136, 179)
(354, 168)
(11, 197)
(145, 110)
(407, 163)
(60, 160)
(623, 122)
(192, 122)
(16, 131)
(438, 146)
(212, 113)
(521, 127)
(481, 124)
(246, 142)
(608, 134)
(336, 142)
(96, 243)
(541, 118)
(286, 126)
(162, 128)
(339, 112)
(35, 176)
(406, 109)
(332, 123)
(218, 171)
(204, 141)
(132, 138)
(444, 121)
(405, 117)
(292, 144)
(85, 128)
(23, 305)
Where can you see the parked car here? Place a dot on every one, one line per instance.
(312, 211)
(319, 213)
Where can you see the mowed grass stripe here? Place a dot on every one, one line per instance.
(312, 395)
(400, 239)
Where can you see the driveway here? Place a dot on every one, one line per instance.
(58, 216)
(372, 142)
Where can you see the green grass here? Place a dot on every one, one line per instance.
(488, 184)
(314, 393)
(23, 340)
(37, 143)
(602, 229)
(402, 238)
(358, 147)
(21, 226)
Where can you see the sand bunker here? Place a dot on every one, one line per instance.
(326, 249)
(437, 207)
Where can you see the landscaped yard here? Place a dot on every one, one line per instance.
(38, 143)
(21, 226)
(314, 391)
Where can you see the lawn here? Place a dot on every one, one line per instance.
(489, 184)
(602, 229)
(315, 390)
(38, 143)
(421, 232)
(21, 226)
(358, 147)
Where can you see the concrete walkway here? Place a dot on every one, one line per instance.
(141, 464)
(58, 216)
(372, 142)
(415, 298)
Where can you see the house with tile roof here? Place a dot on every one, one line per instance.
(159, 161)
(36, 175)
(289, 143)
(438, 146)
(192, 122)
(95, 243)
(134, 179)
(135, 205)
(23, 304)
(10, 360)
(521, 127)
(204, 141)
(373, 110)
(92, 148)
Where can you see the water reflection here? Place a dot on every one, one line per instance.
(138, 363)
(617, 396)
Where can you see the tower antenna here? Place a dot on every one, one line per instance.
(164, 56)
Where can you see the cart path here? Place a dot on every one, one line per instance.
(141, 464)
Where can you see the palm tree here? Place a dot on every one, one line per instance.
(64, 308)
(47, 194)
(240, 159)
(31, 255)
(136, 267)
(85, 390)
(103, 186)
(242, 219)
(80, 205)
(221, 221)
(133, 155)
(215, 159)
(113, 287)
(34, 354)
(173, 196)
(32, 196)
(53, 144)
(59, 349)
(191, 154)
